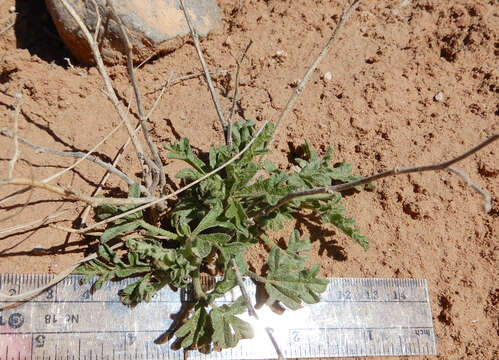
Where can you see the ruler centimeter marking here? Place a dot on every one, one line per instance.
(356, 317)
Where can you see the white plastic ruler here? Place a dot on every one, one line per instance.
(356, 317)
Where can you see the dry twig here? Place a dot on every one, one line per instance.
(143, 160)
(75, 154)
(15, 137)
(236, 89)
(185, 77)
(99, 20)
(158, 99)
(487, 199)
(195, 37)
(34, 222)
(75, 194)
(158, 173)
(175, 193)
(394, 172)
(349, 8)
(7, 27)
(251, 309)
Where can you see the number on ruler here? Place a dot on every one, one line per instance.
(399, 295)
(85, 295)
(49, 294)
(372, 294)
(131, 339)
(40, 341)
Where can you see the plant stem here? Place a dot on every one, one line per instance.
(196, 283)
(255, 276)
(76, 154)
(393, 172)
(175, 193)
(207, 76)
(267, 241)
(236, 91)
(158, 230)
(349, 8)
(251, 309)
(111, 94)
(156, 166)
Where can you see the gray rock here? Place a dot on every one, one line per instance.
(154, 26)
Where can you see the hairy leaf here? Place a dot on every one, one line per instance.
(288, 281)
(112, 232)
(217, 220)
(111, 268)
(229, 329)
(182, 150)
(197, 331)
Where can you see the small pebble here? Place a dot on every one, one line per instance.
(328, 76)
(439, 97)
(294, 83)
(12, 9)
(405, 3)
(228, 42)
(280, 55)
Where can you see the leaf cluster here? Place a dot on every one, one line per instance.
(219, 220)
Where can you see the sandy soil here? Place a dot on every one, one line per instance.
(379, 111)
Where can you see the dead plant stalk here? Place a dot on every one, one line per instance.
(94, 46)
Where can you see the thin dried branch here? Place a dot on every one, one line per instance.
(117, 158)
(39, 221)
(104, 179)
(251, 309)
(59, 277)
(239, 7)
(158, 170)
(23, 206)
(99, 20)
(74, 231)
(76, 195)
(394, 172)
(487, 199)
(76, 154)
(349, 8)
(86, 155)
(109, 89)
(8, 26)
(175, 193)
(158, 99)
(15, 137)
(195, 37)
(186, 77)
(236, 89)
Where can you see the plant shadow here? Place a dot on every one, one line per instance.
(328, 244)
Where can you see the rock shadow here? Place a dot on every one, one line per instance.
(36, 32)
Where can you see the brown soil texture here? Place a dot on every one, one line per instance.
(378, 111)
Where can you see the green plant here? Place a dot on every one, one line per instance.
(218, 220)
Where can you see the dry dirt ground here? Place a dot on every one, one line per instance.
(378, 111)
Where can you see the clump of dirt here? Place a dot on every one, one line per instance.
(378, 108)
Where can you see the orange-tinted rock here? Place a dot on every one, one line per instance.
(154, 26)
